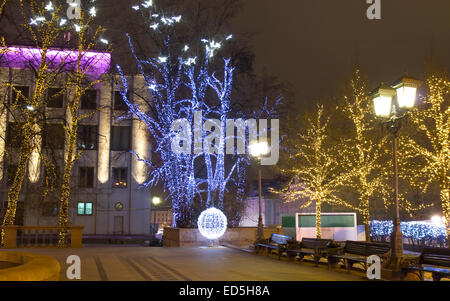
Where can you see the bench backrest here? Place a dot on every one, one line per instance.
(279, 239)
(314, 243)
(366, 248)
(377, 248)
(435, 256)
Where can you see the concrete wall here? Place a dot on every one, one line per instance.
(242, 236)
(31, 267)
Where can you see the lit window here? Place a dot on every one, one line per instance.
(84, 208)
(119, 176)
(87, 137)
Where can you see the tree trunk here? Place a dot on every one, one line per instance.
(63, 212)
(445, 200)
(366, 220)
(318, 231)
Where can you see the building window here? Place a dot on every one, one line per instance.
(89, 100)
(87, 137)
(84, 208)
(119, 104)
(55, 98)
(53, 136)
(120, 138)
(86, 177)
(49, 209)
(21, 92)
(119, 176)
(14, 135)
(11, 171)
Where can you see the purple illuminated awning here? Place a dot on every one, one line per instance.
(97, 63)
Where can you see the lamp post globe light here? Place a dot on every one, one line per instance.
(257, 150)
(392, 105)
(156, 200)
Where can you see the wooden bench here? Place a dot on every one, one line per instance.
(276, 242)
(315, 247)
(355, 252)
(431, 260)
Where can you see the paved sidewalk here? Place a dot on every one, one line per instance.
(136, 263)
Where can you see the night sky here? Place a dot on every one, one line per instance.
(312, 44)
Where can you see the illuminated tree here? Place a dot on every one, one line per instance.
(45, 34)
(80, 82)
(182, 81)
(362, 153)
(316, 173)
(427, 151)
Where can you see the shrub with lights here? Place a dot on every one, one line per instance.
(415, 232)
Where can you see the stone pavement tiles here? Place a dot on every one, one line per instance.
(137, 263)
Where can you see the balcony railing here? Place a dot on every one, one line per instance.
(39, 236)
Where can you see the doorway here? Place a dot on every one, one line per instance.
(118, 225)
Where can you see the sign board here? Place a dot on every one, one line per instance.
(336, 226)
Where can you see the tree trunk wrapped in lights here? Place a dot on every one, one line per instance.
(316, 173)
(85, 43)
(427, 148)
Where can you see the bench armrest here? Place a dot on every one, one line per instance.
(335, 250)
(292, 245)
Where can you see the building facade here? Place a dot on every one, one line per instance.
(106, 197)
(161, 217)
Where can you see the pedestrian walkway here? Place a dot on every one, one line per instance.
(137, 263)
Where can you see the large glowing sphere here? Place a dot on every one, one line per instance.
(212, 223)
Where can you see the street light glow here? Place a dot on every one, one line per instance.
(383, 105)
(406, 97)
(156, 200)
(382, 100)
(406, 88)
(258, 149)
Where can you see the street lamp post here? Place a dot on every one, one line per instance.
(257, 150)
(404, 90)
(155, 201)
